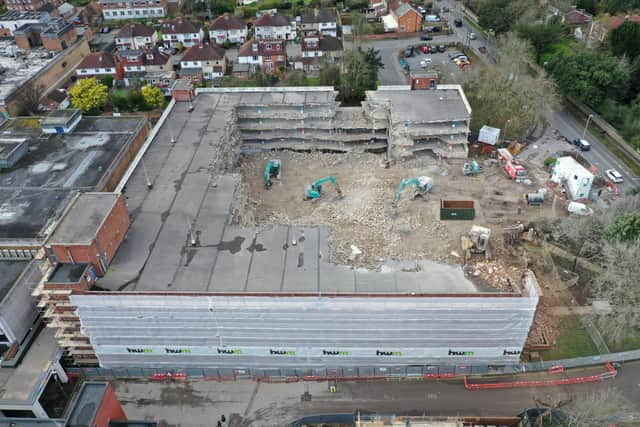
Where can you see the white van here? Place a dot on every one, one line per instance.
(579, 209)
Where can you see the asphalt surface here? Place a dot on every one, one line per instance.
(246, 403)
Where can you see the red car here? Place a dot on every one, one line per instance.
(425, 49)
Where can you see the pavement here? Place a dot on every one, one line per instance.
(248, 404)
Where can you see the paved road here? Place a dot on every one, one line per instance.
(249, 404)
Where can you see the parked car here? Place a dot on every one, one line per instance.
(472, 36)
(582, 144)
(425, 49)
(404, 64)
(408, 51)
(461, 57)
(452, 54)
(433, 49)
(442, 48)
(614, 176)
(426, 62)
(482, 49)
(426, 37)
(432, 18)
(457, 22)
(105, 30)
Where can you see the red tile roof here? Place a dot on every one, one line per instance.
(228, 22)
(577, 17)
(97, 60)
(203, 53)
(135, 30)
(615, 21)
(271, 21)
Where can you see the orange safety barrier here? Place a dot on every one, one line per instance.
(556, 369)
(611, 373)
(179, 376)
(159, 377)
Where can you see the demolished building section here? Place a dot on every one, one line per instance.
(189, 287)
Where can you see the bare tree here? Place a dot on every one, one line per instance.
(597, 408)
(29, 99)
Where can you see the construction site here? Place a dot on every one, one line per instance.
(245, 253)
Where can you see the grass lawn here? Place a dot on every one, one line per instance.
(476, 27)
(572, 341)
(562, 46)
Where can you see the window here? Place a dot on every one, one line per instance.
(255, 58)
(268, 46)
(268, 58)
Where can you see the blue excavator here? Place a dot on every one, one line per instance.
(421, 186)
(314, 190)
(272, 171)
(471, 169)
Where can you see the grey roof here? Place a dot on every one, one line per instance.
(22, 383)
(60, 117)
(84, 217)
(87, 404)
(422, 106)
(68, 273)
(9, 273)
(39, 187)
(403, 9)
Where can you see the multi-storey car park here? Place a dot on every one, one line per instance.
(191, 287)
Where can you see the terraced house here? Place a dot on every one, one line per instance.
(228, 27)
(178, 32)
(266, 55)
(206, 61)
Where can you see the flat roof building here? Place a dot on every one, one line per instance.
(187, 284)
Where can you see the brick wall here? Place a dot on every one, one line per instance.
(50, 77)
(410, 23)
(114, 229)
(110, 409)
(23, 41)
(56, 45)
(125, 160)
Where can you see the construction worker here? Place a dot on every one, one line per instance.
(332, 388)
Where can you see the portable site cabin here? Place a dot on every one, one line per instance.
(578, 179)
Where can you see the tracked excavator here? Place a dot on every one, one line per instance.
(421, 186)
(272, 171)
(314, 190)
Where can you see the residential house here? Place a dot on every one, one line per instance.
(133, 9)
(179, 32)
(205, 61)
(228, 27)
(136, 36)
(267, 55)
(274, 27)
(55, 100)
(579, 21)
(315, 49)
(150, 65)
(402, 18)
(97, 65)
(318, 21)
(55, 35)
(599, 30)
(29, 4)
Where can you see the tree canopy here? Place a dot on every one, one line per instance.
(153, 96)
(625, 40)
(502, 15)
(541, 36)
(591, 76)
(89, 95)
(360, 73)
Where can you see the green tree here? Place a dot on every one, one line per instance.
(626, 227)
(591, 76)
(502, 15)
(621, 6)
(625, 40)
(330, 75)
(590, 6)
(153, 96)
(541, 36)
(360, 74)
(359, 26)
(107, 81)
(89, 95)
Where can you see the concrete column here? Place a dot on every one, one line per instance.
(62, 375)
(38, 410)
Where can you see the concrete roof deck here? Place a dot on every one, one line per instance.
(41, 183)
(83, 218)
(20, 384)
(67, 273)
(422, 106)
(158, 255)
(8, 146)
(87, 404)
(9, 273)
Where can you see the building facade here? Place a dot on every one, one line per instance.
(97, 65)
(405, 17)
(133, 9)
(136, 36)
(274, 27)
(178, 32)
(228, 27)
(203, 61)
(29, 4)
(318, 22)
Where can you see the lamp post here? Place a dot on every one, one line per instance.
(504, 135)
(586, 125)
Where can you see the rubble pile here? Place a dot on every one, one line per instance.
(495, 275)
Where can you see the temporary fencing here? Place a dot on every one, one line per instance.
(610, 373)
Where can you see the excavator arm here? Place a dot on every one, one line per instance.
(314, 191)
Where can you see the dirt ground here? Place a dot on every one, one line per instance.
(365, 217)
